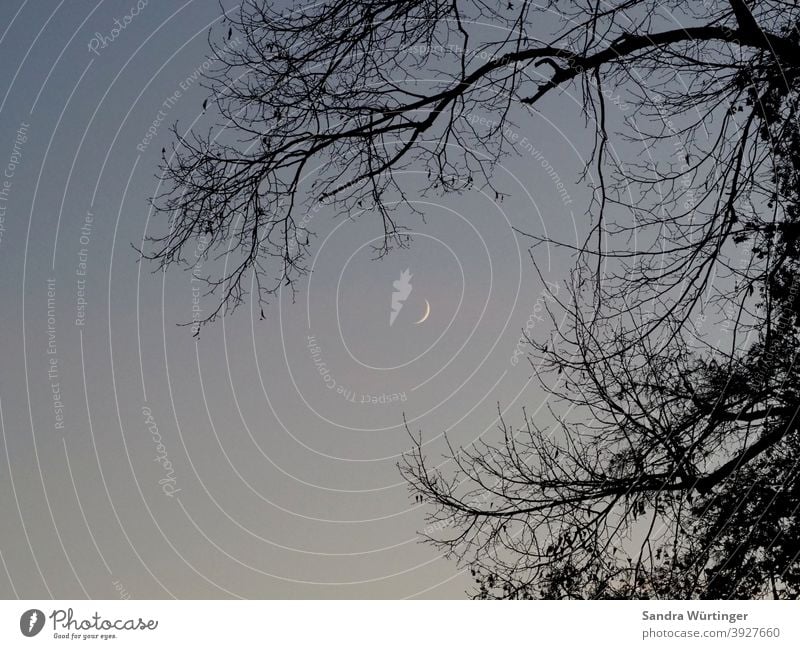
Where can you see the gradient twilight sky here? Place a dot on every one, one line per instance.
(279, 485)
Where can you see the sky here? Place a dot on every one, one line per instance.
(259, 459)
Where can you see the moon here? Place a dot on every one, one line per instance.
(427, 313)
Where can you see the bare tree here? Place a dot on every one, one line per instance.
(674, 472)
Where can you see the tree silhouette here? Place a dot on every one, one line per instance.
(673, 471)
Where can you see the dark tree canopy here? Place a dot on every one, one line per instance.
(675, 471)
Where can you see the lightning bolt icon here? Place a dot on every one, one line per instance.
(34, 617)
(402, 290)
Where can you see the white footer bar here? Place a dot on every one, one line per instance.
(404, 624)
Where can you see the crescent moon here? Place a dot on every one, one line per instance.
(427, 313)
